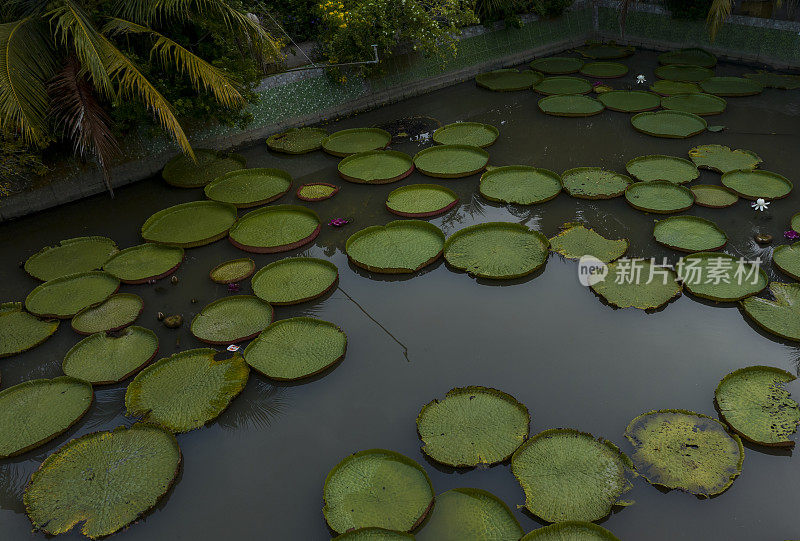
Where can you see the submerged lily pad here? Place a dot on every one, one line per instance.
(781, 316)
(374, 534)
(421, 200)
(630, 101)
(685, 450)
(508, 80)
(699, 104)
(720, 277)
(713, 196)
(557, 65)
(103, 480)
(604, 70)
(115, 313)
(376, 167)
(573, 105)
(636, 283)
(571, 475)
(294, 280)
(691, 56)
(316, 191)
(466, 133)
(660, 167)
(520, 184)
(278, 228)
(81, 254)
(673, 88)
(144, 262)
(36, 411)
(787, 258)
(570, 530)
(472, 426)
(231, 319)
(104, 358)
(235, 270)
(757, 184)
(21, 331)
(187, 390)
(755, 404)
(659, 196)
(297, 140)
(689, 234)
(402, 246)
(769, 79)
(594, 183)
(558, 86)
(346, 142)
(189, 225)
(722, 159)
(183, 172)
(608, 50)
(451, 161)
(669, 124)
(578, 241)
(470, 514)
(731, 86)
(377, 488)
(64, 297)
(684, 73)
(249, 187)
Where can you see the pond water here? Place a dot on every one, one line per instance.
(257, 471)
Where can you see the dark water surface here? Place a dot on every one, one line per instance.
(257, 472)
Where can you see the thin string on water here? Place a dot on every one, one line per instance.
(378, 323)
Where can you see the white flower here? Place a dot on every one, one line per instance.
(760, 204)
(640, 79)
(233, 347)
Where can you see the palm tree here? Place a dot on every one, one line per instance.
(60, 61)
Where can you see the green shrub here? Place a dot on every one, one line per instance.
(19, 162)
(549, 9)
(688, 9)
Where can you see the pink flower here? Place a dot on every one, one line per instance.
(232, 288)
(338, 222)
(791, 234)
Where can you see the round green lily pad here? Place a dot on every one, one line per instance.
(36, 411)
(570, 530)
(552, 86)
(451, 161)
(731, 86)
(606, 51)
(757, 184)
(316, 191)
(376, 167)
(775, 80)
(673, 88)
(64, 297)
(787, 258)
(294, 280)
(346, 142)
(144, 262)
(278, 228)
(520, 185)
(571, 475)
(689, 234)
(187, 390)
(577, 241)
(795, 222)
(402, 246)
(106, 358)
(720, 277)
(296, 348)
(189, 225)
(557, 65)
(103, 481)
(472, 426)
(115, 313)
(81, 254)
(722, 159)
(231, 319)
(594, 183)
(573, 105)
(659, 196)
(660, 167)
(630, 101)
(497, 250)
(699, 104)
(755, 404)
(690, 56)
(378, 488)
(466, 133)
(374, 534)
(21, 331)
(780, 317)
(684, 73)
(508, 80)
(297, 140)
(421, 200)
(235, 270)
(249, 187)
(604, 70)
(183, 172)
(470, 514)
(713, 196)
(669, 124)
(685, 450)
(635, 283)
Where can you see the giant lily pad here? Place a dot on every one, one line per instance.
(374, 534)
(144, 262)
(781, 316)
(795, 222)
(346, 142)
(571, 475)
(669, 124)
(278, 228)
(691, 56)
(451, 161)
(81, 254)
(659, 167)
(720, 277)
(421, 200)
(722, 159)
(520, 184)
(637, 283)
(115, 313)
(699, 104)
(755, 404)
(553, 86)
(103, 480)
(377, 488)
(106, 358)
(64, 297)
(249, 187)
(294, 280)
(578, 241)
(731, 86)
(594, 183)
(604, 70)
(472, 426)
(497, 250)
(470, 514)
(187, 390)
(630, 101)
(713, 196)
(557, 65)
(605, 51)
(684, 73)
(189, 225)
(36, 411)
(466, 133)
(20, 330)
(235, 270)
(402, 246)
(296, 348)
(573, 105)
(787, 258)
(689, 234)
(508, 80)
(183, 172)
(757, 184)
(570, 530)
(316, 191)
(376, 167)
(769, 79)
(685, 450)
(659, 196)
(297, 140)
(673, 88)
(231, 319)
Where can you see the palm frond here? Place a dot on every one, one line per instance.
(719, 11)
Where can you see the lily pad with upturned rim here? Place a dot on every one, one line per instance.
(520, 185)
(606, 51)
(630, 101)
(559, 86)
(659, 196)
(690, 56)
(594, 183)
(249, 187)
(757, 184)
(374, 534)
(115, 313)
(189, 225)
(470, 514)
(689, 234)
(636, 289)
(713, 196)
(787, 258)
(557, 65)
(64, 297)
(144, 262)
(401, 246)
(684, 73)
(376, 167)
(731, 86)
(20, 330)
(573, 105)
(235, 270)
(346, 142)
(466, 133)
(182, 172)
(698, 104)
(230, 320)
(781, 316)
(604, 70)
(421, 200)
(278, 228)
(451, 161)
(720, 277)
(664, 87)
(795, 222)
(316, 191)
(578, 241)
(660, 167)
(570, 530)
(722, 159)
(769, 79)
(70, 256)
(669, 124)
(107, 358)
(508, 80)
(294, 280)
(297, 140)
